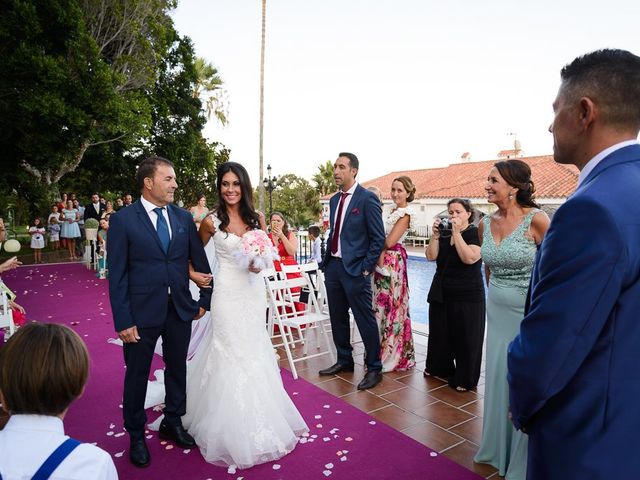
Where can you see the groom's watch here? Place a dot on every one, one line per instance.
(365, 273)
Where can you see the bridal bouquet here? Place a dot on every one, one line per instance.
(256, 249)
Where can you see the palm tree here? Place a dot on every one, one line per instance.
(261, 166)
(208, 88)
(323, 178)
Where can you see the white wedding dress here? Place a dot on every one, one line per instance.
(237, 408)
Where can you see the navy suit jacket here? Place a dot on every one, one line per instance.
(362, 232)
(574, 369)
(140, 273)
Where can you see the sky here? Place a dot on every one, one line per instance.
(403, 84)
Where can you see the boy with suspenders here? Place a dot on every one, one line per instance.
(43, 369)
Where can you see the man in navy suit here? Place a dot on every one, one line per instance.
(573, 371)
(357, 238)
(149, 249)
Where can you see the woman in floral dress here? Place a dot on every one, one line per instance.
(390, 285)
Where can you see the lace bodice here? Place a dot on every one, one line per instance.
(511, 262)
(393, 217)
(225, 244)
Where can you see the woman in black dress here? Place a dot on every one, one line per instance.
(456, 299)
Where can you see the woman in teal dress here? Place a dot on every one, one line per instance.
(509, 237)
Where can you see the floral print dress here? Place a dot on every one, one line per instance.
(391, 305)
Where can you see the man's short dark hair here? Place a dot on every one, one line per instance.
(314, 230)
(611, 78)
(147, 169)
(353, 160)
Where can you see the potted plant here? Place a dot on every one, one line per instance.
(91, 229)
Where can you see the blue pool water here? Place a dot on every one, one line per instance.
(420, 273)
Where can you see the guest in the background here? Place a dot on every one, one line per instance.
(37, 231)
(377, 193)
(391, 286)
(62, 203)
(284, 240)
(3, 230)
(108, 209)
(70, 230)
(119, 204)
(456, 299)
(43, 369)
(94, 209)
(128, 199)
(509, 238)
(54, 233)
(19, 314)
(102, 242)
(54, 213)
(316, 244)
(80, 241)
(200, 210)
(102, 233)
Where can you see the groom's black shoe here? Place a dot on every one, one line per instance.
(177, 434)
(370, 380)
(139, 453)
(337, 368)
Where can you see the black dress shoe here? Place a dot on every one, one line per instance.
(177, 434)
(337, 368)
(370, 380)
(139, 453)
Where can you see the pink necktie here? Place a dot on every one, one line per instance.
(336, 228)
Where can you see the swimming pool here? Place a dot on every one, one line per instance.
(420, 272)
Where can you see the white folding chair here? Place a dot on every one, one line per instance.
(6, 314)
(323, 302)
(269, 275)
(286, 316)
(304, 269)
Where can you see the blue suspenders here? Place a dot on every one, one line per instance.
(55, 459)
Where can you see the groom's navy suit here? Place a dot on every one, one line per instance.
(149, 288)
(574, 370)
(348, 279)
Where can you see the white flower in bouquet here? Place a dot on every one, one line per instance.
(257, 250)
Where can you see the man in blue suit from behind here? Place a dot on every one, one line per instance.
(149, 248)
(357, 238)
(574, 369)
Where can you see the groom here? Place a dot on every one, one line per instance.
(357, 238)
(149, 249)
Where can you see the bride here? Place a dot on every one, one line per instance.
(237, 408)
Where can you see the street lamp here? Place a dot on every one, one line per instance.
(269, 184)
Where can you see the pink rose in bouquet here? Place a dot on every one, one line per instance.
(257, 250)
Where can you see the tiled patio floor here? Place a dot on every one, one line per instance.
(425, 409)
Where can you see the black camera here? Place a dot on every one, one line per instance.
(445, 227)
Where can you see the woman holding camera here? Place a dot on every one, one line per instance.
(456, 299)
(509, 239)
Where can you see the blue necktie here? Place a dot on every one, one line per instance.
(163, 229)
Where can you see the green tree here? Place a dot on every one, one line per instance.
(297, 200)
(97, 85)
(323, 179)
(55, 89)
(208, 88)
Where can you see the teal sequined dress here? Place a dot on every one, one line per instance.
(510, 264)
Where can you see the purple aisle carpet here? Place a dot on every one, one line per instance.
(344, 443)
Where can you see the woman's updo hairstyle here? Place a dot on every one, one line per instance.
(408, 186)
(518, 174)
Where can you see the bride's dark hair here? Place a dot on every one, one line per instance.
(247, 212)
